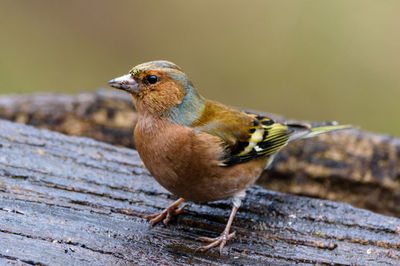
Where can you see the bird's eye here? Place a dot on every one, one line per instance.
(151, 79)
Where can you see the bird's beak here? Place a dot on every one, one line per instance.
(126, 83)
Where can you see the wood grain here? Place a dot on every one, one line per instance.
(72, 201)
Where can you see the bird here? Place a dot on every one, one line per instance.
(199, 149)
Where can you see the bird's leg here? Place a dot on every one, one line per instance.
(166, 214)
(225, 235)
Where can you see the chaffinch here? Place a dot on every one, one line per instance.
(199, 149)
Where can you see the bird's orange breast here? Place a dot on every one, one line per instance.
(186, 162)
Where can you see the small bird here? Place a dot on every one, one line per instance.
(198, 149)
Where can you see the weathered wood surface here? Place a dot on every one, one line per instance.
(107, 115)
(353, 166)
(73, 201)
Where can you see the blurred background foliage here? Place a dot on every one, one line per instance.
(310, 59)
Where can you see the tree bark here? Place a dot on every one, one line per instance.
(352, 166)
(68, 200)
(105, 115)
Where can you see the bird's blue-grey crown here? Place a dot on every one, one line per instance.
(159, 64)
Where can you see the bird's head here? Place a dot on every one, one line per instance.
(159, 87)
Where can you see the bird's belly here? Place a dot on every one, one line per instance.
(210, 183)
(201, 182)
(187, 164)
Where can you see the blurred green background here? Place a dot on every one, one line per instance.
(312, 60)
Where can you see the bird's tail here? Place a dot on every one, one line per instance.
(319, 128)
(302, 131)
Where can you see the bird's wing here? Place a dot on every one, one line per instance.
(265, 138)
(246, 136)
(230, 125)
(249, 136)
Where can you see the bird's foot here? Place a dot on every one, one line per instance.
(221, 241)
(166, 214)
(225, 236)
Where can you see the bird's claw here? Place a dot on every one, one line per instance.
(215, 241)
(165, 215)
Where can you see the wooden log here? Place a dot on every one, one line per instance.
(75, 201)
(352, 166)
(106, 115)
